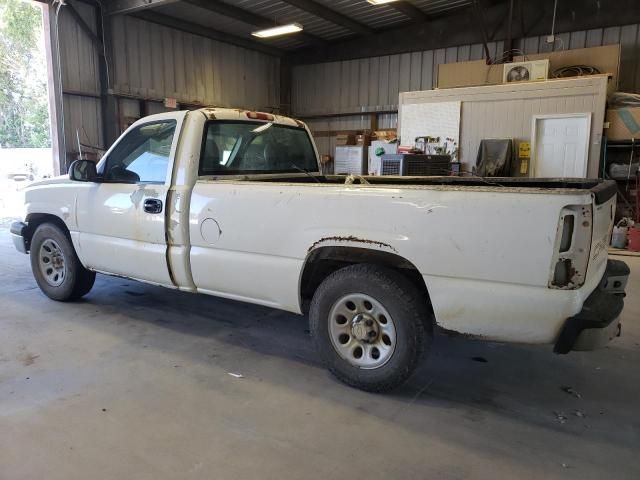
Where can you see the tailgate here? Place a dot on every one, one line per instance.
(604, 206)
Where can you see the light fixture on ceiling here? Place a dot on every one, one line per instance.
(279, 30)
(380, 2)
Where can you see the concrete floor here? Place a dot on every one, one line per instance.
(133, 382)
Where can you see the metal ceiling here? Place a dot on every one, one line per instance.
(324, 21)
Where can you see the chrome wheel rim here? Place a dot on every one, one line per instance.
(362, 332)
(52, 263)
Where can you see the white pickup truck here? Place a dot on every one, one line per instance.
(231, 203)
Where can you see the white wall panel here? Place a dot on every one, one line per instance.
(505, 111)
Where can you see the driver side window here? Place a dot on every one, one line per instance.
(142, 156)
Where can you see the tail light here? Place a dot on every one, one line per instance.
(571, 248)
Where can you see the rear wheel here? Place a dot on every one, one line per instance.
(370, 326)
(55, 265)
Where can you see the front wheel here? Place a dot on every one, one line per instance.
(55, 265)
(370, 326)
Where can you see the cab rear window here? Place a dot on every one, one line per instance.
(235, 148)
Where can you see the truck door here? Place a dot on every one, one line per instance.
(121, 220)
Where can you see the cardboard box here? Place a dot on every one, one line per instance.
(475, 73)
(385, 134)
(468, 74)
(624, 123)
(345, 139)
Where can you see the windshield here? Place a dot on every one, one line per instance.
(233, 148)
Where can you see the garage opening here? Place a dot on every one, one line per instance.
(25, 140)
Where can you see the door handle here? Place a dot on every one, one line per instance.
(153, 205)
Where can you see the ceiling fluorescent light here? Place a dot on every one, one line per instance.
(380, 2)
(279, 30)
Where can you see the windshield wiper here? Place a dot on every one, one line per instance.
(306, 172)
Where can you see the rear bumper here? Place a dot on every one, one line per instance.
(19, 237)
(599, 320)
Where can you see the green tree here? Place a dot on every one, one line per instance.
(24, 118)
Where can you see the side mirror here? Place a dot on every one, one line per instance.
(83, 171)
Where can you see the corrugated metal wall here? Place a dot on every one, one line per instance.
(152, 62)
(79, 72)
(373, 84)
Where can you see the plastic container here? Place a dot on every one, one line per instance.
(619, 237)
(634, 239)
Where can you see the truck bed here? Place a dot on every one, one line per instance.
(602, 189)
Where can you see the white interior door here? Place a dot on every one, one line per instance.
(561, 145)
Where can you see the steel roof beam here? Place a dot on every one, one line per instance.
(458, 27)
(203, 31)
(330, 15)
(247, 17)
(410, 10)
(120, 7)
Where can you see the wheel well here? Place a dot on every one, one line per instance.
(34, 220)
(323, 261)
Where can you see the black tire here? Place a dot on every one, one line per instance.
(76, 282)
(399, 297)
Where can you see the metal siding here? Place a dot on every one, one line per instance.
(387, 120)
(156, 107)
(394, 79)
(415, 71)
(327, 145)
(79, 72)
(404, 71)
(363, 81)
(427, 76)
(381, 78)
(155, 62)
(129, 108)
(629, 56)
(82, 115)
(79, 64)
(628, 36)
(383, 85)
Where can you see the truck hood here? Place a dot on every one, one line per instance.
(51, 181)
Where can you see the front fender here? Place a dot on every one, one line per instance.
(58, 200)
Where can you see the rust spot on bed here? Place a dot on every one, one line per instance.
(351, 238)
